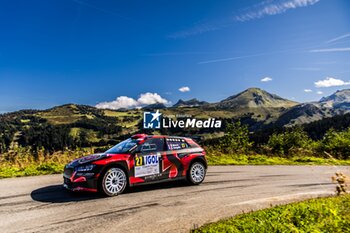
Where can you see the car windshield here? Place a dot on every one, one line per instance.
(123, 147)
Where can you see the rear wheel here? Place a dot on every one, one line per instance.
(114, 182)
(196, 173)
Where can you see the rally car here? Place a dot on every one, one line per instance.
(141, 159)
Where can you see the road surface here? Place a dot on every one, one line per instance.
(40, 204)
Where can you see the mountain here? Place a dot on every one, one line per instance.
(302, 114)
(333, 105)
(254, 98)
(76, 126)
(189, 103)
(254, 107)
(154, 106)
(338, 100)
(73, 125)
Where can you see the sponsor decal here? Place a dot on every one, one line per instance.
(153, 120)
(146, 165)
(176, 143)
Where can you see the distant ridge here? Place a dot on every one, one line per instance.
(154, 106)
(253, 106)
(189, 103)
(338, 100)
(329, 106)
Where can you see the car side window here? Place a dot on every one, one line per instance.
(176, 144)
(152, 145)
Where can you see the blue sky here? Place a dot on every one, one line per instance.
(91, 52)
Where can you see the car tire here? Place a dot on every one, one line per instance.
(196, 173)
(114, 182)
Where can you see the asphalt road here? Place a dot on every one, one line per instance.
(40, 204)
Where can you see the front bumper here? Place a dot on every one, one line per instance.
(80, 181)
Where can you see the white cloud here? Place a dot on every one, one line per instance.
(184, 89)
(151, 98)
(319, 92)
(266, 79)
(273, 8)
(330, 50)
(128, 102)
(330, 82)
(307, 90)
(119, 102)
(338, 38)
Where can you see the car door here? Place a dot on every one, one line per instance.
(172, 164)
(148, 160)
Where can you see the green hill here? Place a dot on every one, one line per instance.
(81, 125)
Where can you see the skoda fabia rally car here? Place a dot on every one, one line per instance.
(141, 159)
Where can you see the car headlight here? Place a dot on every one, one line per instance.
(85, 168)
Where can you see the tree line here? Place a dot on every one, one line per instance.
(293, 141)
(327, 135)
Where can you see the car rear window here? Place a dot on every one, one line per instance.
(176, 144)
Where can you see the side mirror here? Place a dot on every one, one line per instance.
(137, 151)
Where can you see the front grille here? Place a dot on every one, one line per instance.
(67, 183)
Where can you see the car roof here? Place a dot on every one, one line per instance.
(156, 136)
(166, 136)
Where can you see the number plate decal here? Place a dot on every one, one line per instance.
(146, 165)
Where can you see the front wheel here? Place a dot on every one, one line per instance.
(114, 182)
(196, 173)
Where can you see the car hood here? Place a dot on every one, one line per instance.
(86, 159)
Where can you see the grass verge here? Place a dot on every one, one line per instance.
(31, 170)
(330, 214)
(23, 164)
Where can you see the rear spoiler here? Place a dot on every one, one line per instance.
(138, 136)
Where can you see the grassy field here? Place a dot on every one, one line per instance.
(317, 215)
(23, 163)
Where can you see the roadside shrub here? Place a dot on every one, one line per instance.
(336, 143)
(289, 142)
(236, 139)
